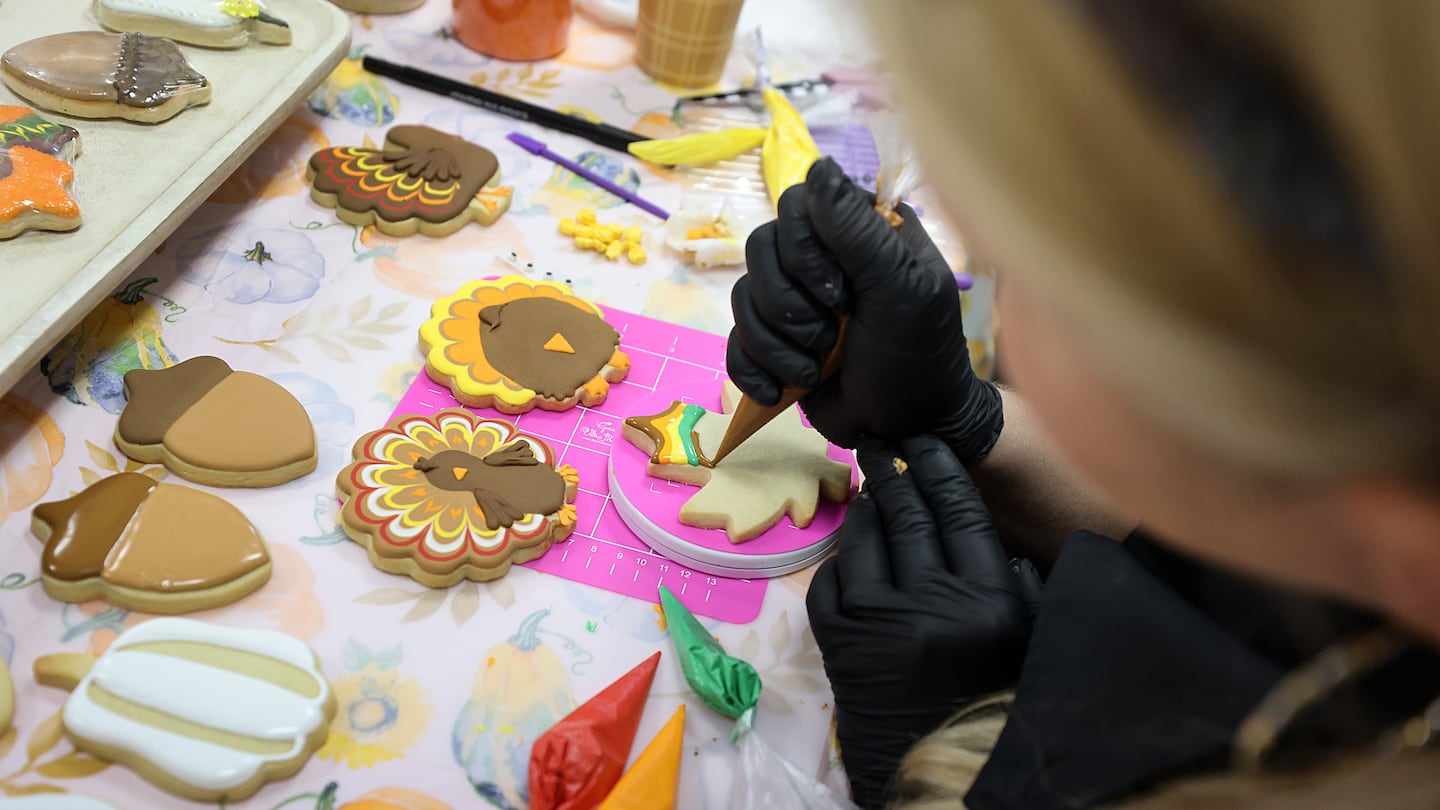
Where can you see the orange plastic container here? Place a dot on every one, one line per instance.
(517, 30)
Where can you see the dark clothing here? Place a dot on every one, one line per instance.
(1142, 663)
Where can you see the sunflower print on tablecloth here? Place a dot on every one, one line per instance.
(451, 495)
(515, 344)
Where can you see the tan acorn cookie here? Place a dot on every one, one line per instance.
(156, 548)
(206, 712)
(213, 425)
(453, 496)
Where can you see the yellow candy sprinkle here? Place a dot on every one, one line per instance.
(634, 234)
(584, 242)
(613, 251)
(568, 227)
(636, 255)
(585, 216)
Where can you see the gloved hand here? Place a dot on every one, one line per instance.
(906, 366)
(919, 612)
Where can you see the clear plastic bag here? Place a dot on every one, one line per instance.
(899, 172)
(767, 780)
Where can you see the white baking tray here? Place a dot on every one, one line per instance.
(136, 183)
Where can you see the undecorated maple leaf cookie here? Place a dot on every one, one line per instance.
(784, 469)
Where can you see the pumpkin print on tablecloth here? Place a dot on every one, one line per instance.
(245, 263)
(33, 446)
(353, 94)
(392, 798)
(521, 690)
(122, 333)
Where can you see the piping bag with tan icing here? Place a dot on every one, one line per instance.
(731, 687)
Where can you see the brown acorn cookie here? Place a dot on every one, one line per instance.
(138, 545)
(213, 425)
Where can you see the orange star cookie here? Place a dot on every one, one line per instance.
(35, 173)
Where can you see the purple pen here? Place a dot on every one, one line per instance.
(535, 147)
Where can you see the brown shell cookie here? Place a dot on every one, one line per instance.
(212, 425)
(90, 74)
(140, 545)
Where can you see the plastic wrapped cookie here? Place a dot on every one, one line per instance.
(36, 173)
(92, 74)
(206, 712)
(138, 545)
(213, 425)
(209, 23)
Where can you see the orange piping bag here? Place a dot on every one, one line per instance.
(576, 763)
(652, 782)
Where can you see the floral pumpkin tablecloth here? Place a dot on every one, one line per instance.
(431, 683)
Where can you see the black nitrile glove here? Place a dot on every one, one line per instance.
(906, 366)
(919, 612)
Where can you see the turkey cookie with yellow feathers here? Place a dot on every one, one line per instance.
(423, 181)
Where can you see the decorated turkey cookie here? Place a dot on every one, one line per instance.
(210, 23)
(206, 712)
(423, 180)
(140, 545)
(35, 173)
(514, 344)
(453, 496)
(212, 425)
(91, 74)
(784, 469)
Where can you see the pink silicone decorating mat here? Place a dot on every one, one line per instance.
(602, 551)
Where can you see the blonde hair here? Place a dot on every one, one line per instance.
(1040, 138)
(940, 770)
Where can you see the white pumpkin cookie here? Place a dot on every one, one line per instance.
(206, 712)
(208, 23)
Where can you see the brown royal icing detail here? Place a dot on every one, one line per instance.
(131, 69)
(84, 528)
(184, 539)
(508, 483)
(453, 170)
(160, 397)
(514, 336)
(245, 423)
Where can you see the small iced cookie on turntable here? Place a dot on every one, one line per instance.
(513, 344)
(784, 469)
(36, 173)
(205, 712)
(213, 425)
(92, 74)
(453, 496)
(208, 23)
(146, 546)
(423, 181)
